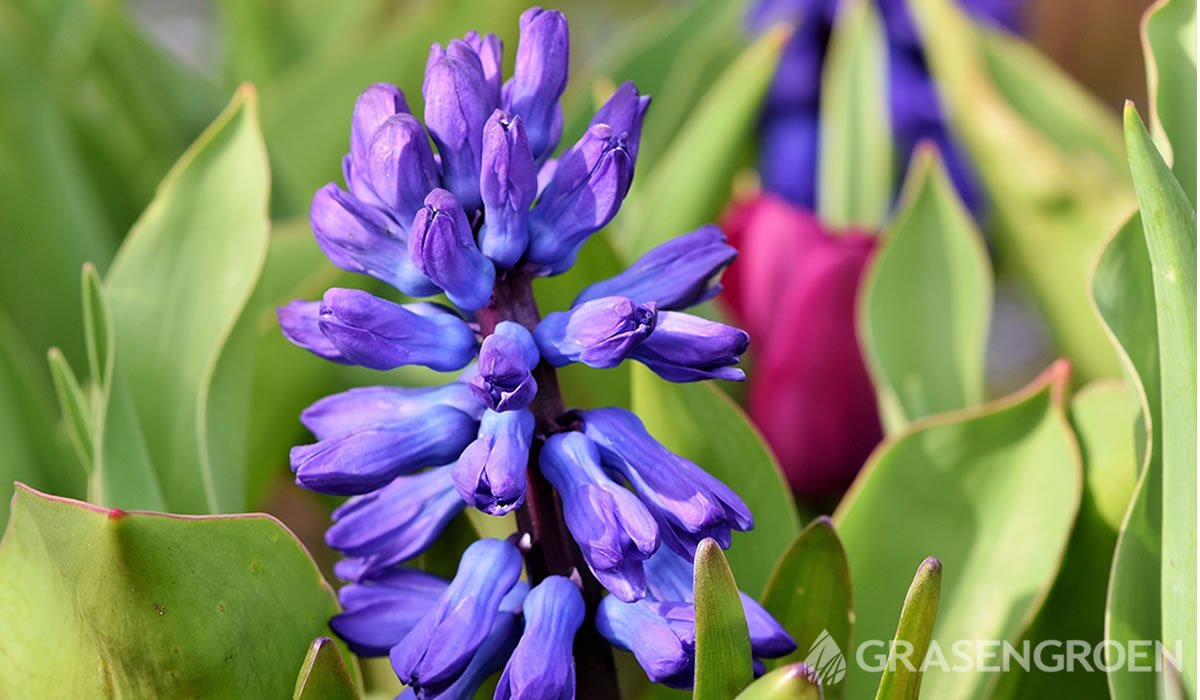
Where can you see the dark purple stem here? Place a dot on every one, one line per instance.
(551, 550)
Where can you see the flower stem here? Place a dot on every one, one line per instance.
(551, 550)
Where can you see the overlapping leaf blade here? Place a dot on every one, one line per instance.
(993, 493)
(926, 302)
(723, 662)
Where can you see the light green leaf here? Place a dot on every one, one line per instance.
(791, 682)
(150, 605)
(992, 492)
(926, 302)
(1104, 416)
(701, 158)
(901, 681)
(701, 423)
(724, 665)
(810, 595)
(324, 675)
(1054, 209)
(855, 170)
(1169, 44)
(1169, 222)
(176, 289)
(1124, 295)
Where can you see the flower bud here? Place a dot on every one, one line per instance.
(490, 473)
(363, 239)
(394, 524)
(442, 644)
(687, 501)
(442, 246)
(539, 77)
(400, 168)
(614, 530)
(456, 107)
(662, 637)
(382, 611)
(300, 323)
(490, 50)
(363, 406)
(374, 106)
(599, 333)
(542, 665)
(503, 380)
(589, 184)
(364, 460)
(677, 274)
(686, 348)
(382, 335)
(508, 185)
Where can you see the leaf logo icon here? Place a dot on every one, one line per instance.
(826, 660)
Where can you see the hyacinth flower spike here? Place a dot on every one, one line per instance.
(607, 518)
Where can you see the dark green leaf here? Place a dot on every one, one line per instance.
(104, 603)
(810, 595)
(901, 681)
(723, 662)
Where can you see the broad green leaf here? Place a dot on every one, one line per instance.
(809, 594)
(701, 158)
(701, 423)
(926, 302)
(992, 492)
(901, 681)
(1104, 416)
(1169, 222)
(176, 289)
(792, 682)
(724, 665)
(1124, 294)
(1053, 202)
(1169, 44)
(105, 603)
(856, 134)
(324, 675)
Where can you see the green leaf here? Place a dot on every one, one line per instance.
(791, 682)
(926, 302)
(701, 158)
(901, 681)
(151, 605)
(1104, 416)
(724, 665)
(856, 134)
(324, 675)
(177, 287)
(1123, 288)
(1169, 222)
(1053, 211)
(992, 492)
(699, 422)
(1169, 43)
(810, 595)
(77, 409)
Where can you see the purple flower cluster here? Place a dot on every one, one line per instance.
(477, 216)
(790, 120)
